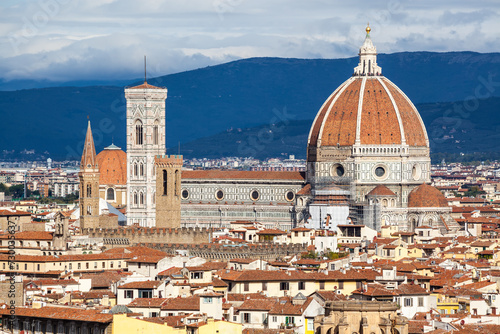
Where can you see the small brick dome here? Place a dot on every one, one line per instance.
(112, 162)
(426, 196)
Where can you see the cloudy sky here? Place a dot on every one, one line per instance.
(64, 40)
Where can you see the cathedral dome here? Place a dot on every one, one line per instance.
(426, 196)
(112, 162)
(367, 109)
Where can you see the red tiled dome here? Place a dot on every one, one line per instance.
(381, 190)
(371, 109)
(426, 196)
(112, 163)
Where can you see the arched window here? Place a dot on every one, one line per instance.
(89, 190)
(141, 198)
(135, 198)
(142, 169)
(89, 210)
(154, 197)
(155, 134)
(135, 169)
(164, 182)
(138, 133)
(110, 194)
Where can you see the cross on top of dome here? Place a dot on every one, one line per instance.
(367, 57)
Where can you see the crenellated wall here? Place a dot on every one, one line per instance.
(137, 235)
(268, 252)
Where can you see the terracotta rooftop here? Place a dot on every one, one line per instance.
(182, 304)
(29, 235)
(381, 190)
(145, 85)
(426, 196)
(62, 313)
(141, 285)
(112, 167)
(336, 122)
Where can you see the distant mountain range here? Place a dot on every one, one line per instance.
(449, 132)
(254, 94)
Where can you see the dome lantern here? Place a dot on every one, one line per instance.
(367, 57)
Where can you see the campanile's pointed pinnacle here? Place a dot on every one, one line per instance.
(88, 155)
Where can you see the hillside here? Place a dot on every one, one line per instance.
(240, 94)
(449, 132)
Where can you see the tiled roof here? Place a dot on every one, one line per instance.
(330, 295)
(93, 294)
(182, 304)
(411, 289)
(284, 306)
(112, 167)
(145, 85)
(381, 190)
(141, 285)
(306, 190)
(236, 174)
(105, 279)
(426, 196)
(14, 213)
(62, 313)
(336, 122)
(273, 231)
(147, 259)
(147, 302)
(29, 235)
(375, 290)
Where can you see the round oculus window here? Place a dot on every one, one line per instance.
(289, 196)
(219, 195)
(254, 195)
(379, 171)
(337, 170)
(416, 172)
(185, 194)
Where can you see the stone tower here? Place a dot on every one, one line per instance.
(89, 184)
(168, 194)
(61, 231)
(145, 140)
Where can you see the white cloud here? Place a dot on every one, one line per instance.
(96, 39)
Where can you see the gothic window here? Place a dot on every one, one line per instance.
(164, 182)
(139, 133)
(135, 198)
(89, 210)
(141, 198)
(89, 190)
(155, 134)
(110, 194)
(135, 169)
(142, 169)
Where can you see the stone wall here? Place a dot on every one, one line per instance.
(141, 235)
(11, 292)
(269, 252)
(108, 221)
